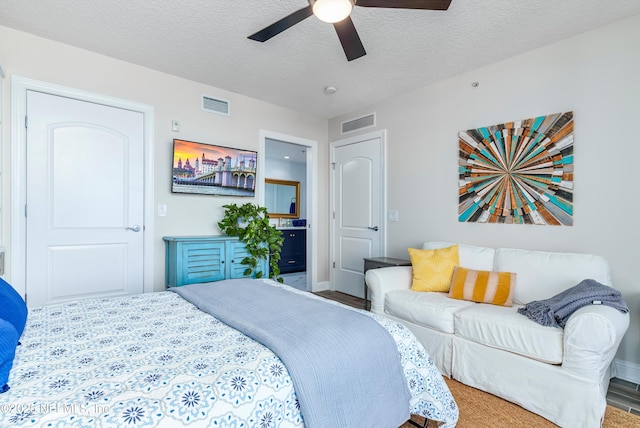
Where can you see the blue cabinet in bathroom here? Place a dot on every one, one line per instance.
(293, 256)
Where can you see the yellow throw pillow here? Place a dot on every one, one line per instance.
(432, 269)
(483, 286)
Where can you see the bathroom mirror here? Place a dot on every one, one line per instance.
(282, 198)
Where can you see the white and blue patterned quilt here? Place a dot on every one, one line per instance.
(155, 360)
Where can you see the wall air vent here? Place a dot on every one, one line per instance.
(215, 105)
(360, 123)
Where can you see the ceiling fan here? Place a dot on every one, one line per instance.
(337, 13)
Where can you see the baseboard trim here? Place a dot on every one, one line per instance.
(321, 286)
(626, 370)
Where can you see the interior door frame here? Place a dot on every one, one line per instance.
(382, 135)
(311, 191)
(19, 88)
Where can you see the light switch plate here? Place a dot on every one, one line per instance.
(392, 215)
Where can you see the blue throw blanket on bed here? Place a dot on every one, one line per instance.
(556, 311)
(345, 367)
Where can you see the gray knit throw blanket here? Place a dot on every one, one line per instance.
(555, 312)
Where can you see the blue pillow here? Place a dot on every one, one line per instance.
(12, 306)
(8, 342)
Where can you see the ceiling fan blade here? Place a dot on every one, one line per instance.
(406, 4)
(281, 25)
(349, 38)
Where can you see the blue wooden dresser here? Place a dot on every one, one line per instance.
(191, 259)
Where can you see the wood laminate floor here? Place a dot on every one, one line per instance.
(621, 394)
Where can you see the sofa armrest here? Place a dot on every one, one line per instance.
(381, 281)
(591, 338)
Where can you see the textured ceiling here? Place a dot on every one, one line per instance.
(206, 41)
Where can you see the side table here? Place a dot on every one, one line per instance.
(379, 262)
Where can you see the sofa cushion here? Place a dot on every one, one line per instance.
(542, 274)
(482, 286)
(432, 269)
(503, 328)
(470, 256)
(432, 310)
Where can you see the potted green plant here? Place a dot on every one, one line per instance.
(250, 223)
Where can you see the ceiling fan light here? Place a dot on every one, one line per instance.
(332, 10)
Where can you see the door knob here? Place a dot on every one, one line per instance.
(135, 228)
(374, 228)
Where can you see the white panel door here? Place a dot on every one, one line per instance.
(85, 202)
(357, 195)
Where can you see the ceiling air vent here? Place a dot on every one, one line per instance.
(215, 105)
(360, 123)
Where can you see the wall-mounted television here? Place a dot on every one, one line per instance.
(208, 169)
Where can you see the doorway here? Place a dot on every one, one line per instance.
(358, 203)
(294, 159)
(35, 176)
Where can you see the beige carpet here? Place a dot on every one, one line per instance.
(480, 409)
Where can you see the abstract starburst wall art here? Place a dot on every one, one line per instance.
(518, 172)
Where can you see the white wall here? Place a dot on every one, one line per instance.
(25, 55)
(596, 75)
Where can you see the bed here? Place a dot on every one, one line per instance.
(156, 360)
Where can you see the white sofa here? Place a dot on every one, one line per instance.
(560, 374)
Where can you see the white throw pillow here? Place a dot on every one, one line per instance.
(543, 274)
(470, 256)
